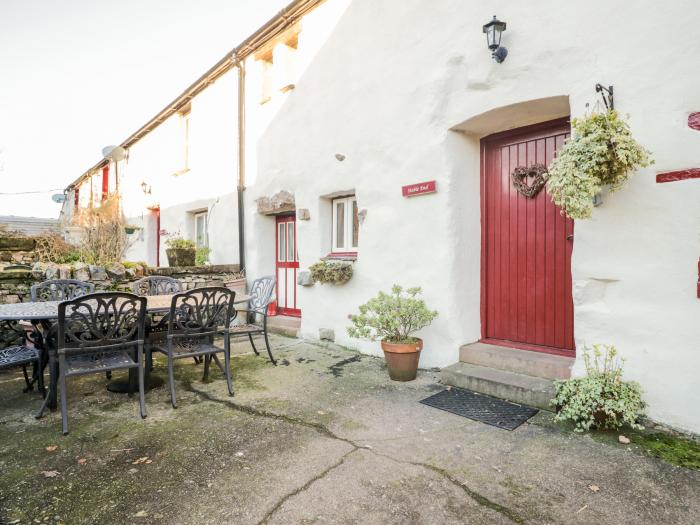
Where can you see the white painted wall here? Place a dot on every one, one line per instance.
(208, 185)
(387, 96)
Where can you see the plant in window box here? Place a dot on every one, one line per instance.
(393, 318)
(331, 272)
(180, 252)
(601, 152)
(600, 399)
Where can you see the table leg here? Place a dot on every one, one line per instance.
(50, 400)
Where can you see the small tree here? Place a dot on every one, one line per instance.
(104, 239)
(392, 317)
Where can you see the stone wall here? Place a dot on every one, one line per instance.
(19, 271)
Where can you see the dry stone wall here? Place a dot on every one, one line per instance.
(19, 270)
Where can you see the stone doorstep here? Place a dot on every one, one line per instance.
(518, 388)
(535, 364)
(284, 325)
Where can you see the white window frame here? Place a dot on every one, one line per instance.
(201, 216)
(344, 245)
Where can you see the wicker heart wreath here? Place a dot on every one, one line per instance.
(521, 175)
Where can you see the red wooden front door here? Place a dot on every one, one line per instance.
(526, 247)
(287, 264)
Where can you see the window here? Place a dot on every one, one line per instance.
(346, 225)
(201, 233)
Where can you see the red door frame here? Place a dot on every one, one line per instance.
(528, 133)
(284, 309)
(105, 182)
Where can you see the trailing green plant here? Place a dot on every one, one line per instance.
(601, 399)
(392, 317)
(202, 256)
(179, 243)
(601, 152)
(331, 272)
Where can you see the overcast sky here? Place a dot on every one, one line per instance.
(77, 75)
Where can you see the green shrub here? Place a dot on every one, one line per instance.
(202, 256)
(179, 243)
(600, 400)
(331, 272)
(601, 152)
(392, 317)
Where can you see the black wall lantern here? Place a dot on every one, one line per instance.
(493, 32)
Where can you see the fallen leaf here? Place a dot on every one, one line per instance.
(52, 448)
(50, 473)
(141, 514)
(82, 461)
(594, 488)
(140, 460)
(623, 439)
(148, 461)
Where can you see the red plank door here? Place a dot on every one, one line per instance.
(526, 247)
(287, 265)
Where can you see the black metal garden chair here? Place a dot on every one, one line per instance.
(60, 290)
(156, 285)
(21, 355)
(157, 323)
(261, 295)
(99, 333)
(195, 318)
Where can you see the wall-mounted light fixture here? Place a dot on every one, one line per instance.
(493, 32)
(146, 188)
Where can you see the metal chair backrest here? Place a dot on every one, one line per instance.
(261, 293)
(101, 322)
(156, 285)
(202, 312)
(60, 290)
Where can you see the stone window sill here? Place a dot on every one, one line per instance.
(350, 256)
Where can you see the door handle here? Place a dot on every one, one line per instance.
(570, 237)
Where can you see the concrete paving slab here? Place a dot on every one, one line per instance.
(325, 437)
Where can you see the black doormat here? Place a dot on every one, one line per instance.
(480, 407)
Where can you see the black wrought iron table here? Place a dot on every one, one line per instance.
(44, 314)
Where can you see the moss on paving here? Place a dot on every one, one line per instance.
(185, 448)
(672, 449)
(669, 447)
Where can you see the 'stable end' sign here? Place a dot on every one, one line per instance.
(420, 188)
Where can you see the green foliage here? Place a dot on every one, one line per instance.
(68, 257)
(601, 152)
(331, 272)
(600, 400)
(202, 256)
(392, 317)
(134, 264)
(672, 449)
(179, 243)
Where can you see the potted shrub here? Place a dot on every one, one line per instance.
(600, 399)
(393, 318)
(180, 252)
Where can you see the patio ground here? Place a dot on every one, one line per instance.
(324, 437)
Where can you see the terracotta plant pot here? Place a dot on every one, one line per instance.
(402, 359)
(180, 256)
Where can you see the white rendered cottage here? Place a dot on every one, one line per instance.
(394, 147)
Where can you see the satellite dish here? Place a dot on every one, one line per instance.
(58, 198)
(115, 153)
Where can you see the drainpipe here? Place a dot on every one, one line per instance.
(241, 163)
